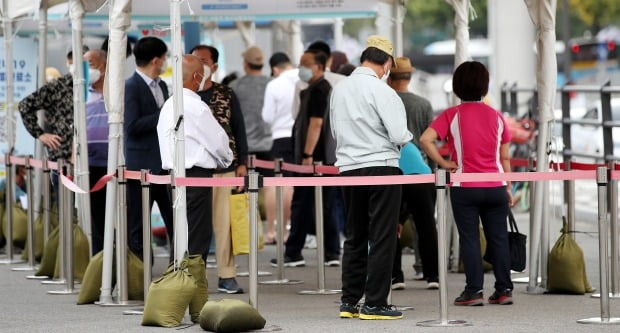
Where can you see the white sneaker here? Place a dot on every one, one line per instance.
(432, 285)
(418, 276)
(310, 242)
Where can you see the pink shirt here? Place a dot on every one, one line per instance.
(474, 133)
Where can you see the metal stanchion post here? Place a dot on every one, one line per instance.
(46, 212)
(615, 245)
(320, 243)
(251, 167)
(9, 191)
(30, 240)
(532, 185)
(603, 238)
(146, 239)
(61, 236)
(65, 232)
(121, 244)
(253, 185)
(441, 182)
(281, 230)
(570, 201)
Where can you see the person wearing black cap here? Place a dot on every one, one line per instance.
(279, 95)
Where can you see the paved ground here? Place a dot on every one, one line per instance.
(25, 306)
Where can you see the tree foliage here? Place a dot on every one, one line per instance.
(597, 13)
(439, 15)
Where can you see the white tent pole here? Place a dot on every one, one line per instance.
(542, 13)
(8, 60)
(80, 147)
(295, 45)
(179, 205)
(461, 24)
(338, 33)
(38, 151)
(247, 30)
(399, 14)
(120, 19)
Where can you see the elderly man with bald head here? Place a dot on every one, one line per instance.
(206, 149)
(97, 139)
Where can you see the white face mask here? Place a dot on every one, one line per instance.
(71, 68)
(206, 73)
(386, 75)
(93, 75)
(305, 73)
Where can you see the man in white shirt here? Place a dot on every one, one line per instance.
(206, 148)
(279, 95)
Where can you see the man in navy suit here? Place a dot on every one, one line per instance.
(145, 94)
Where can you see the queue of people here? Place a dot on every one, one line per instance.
(364, 121)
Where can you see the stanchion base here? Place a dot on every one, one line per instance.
(24, 269)
(319, 292)
(447, 323)
(260, 273)
(11, 261)
(404, 307)
(537, 290)
(211, 266)
(121, 303)
(600, 321)
(281, 282)
(611, 295)
(64, 292)
(37, 277)
(134, 312)
(525, 279)
(63, 281)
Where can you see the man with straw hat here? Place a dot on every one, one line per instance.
(369, 124)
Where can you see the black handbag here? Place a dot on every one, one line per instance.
(516, 244)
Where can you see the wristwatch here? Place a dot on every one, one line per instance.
(304, 155)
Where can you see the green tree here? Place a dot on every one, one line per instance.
(597, 13)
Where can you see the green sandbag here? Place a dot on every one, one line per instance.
(168, 298)
(91, 283)
(38, 237)
(81, 254)
(135, 277)
(201, 296)
(20, 225)
(230, 315)
(406, 235)
(566, 267)
(48, 260)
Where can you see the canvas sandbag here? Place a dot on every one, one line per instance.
(197, 269)
(91, 283)
(566, 267)
(48, 260)
(168, 298)
(81, 254)
(20, 225)
(230, 315)
(135, 277)
(38, 237)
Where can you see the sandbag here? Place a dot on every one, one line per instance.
(91, 283)
(201, 296)
(566, 267)
(38, 237)
(20, 225)
(50, 252)
(81, 254)
(135, 277)
(2, 204)
(168, 297)
(230, 315)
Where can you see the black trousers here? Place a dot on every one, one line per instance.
(161, 195)
(199, 201)
(97, 209)
(489, 205)
(283, 148)
(303, 223)
(372, 218)
(420, 202)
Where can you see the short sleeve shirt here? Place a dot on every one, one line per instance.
(474, 133)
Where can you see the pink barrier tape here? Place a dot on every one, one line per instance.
(327, 170)
(209, 182)
(129, 174)
(297, 168)
(615, 174)
(263, 164)
(17, 160)
(71, 185)
(348, 181)
(522, 176)
(52, 165)
(158, 179)
(102, 182)
(36, 164)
